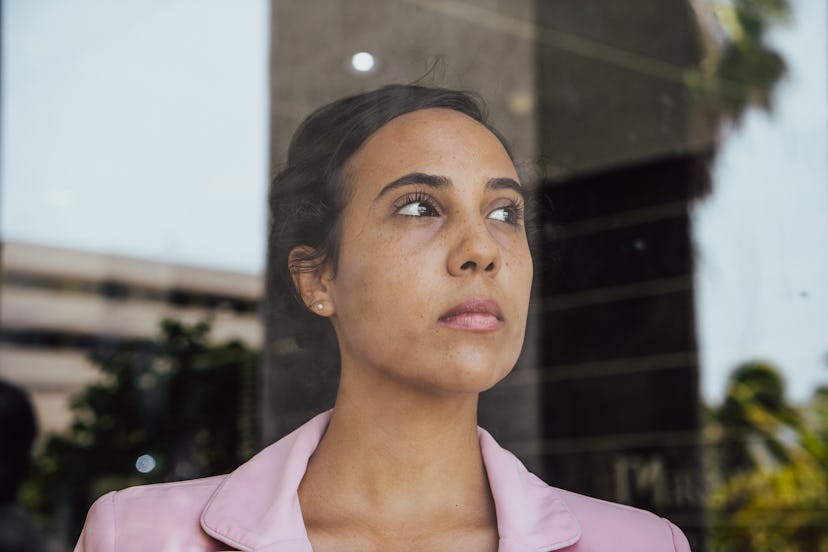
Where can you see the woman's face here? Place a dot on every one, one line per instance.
(432, 287)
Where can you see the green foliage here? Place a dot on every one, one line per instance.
(774, 464)
(754, 418)
(185, 402)
(745, 70)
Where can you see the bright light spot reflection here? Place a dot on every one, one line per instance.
(145, 463)
(362, 62)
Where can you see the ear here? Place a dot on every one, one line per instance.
(312, 280)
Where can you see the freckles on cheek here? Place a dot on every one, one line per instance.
(364, 274)
(391, 270)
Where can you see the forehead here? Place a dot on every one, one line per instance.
(434, 141)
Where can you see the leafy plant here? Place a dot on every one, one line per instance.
(774, 490)
(180, 404)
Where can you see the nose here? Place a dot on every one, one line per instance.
(475, 251)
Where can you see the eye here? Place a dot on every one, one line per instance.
(510, 214)
(417, 205)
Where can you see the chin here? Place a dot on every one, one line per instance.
(476, 373)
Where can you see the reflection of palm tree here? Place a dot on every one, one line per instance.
(746, 68)
(757, 424)
(775, 495)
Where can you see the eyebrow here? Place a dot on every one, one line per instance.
(436, 181)
(506, 184)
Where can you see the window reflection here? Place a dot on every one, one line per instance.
(676, 353)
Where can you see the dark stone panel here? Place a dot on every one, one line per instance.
(300, 388)
(509, 412)
(655, 400)
(625, 255)
(639, 26)
(647, 325)
(609, 94)
(593, 114)
(412, 41)
(648, 184)
(297, 383)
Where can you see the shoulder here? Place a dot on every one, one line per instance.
(136, 514)
(621, 527)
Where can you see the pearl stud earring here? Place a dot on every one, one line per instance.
(320, 306)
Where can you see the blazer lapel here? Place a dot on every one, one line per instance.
(257, 505)
(531, 515)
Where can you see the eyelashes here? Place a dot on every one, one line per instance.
(420, 204)
(417, 204)
(510, 214)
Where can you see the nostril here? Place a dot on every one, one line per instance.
(490, 267)
(468, 264)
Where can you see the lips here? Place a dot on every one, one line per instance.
(478, 315)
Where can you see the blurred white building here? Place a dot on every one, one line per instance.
(56, 305)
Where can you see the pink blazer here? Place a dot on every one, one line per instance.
(256, 507)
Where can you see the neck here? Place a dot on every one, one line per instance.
(400, 452)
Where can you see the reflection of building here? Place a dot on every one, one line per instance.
(626, 147)
(56, 305)
(618, 368)
(605, 400)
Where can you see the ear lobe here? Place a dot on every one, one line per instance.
(311, 279)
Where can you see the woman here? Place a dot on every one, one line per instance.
(400, 219)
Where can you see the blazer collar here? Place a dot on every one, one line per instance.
(256, 507)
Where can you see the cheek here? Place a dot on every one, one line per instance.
(384, 281)
(357, 291)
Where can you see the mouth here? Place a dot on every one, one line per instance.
(476, 315)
